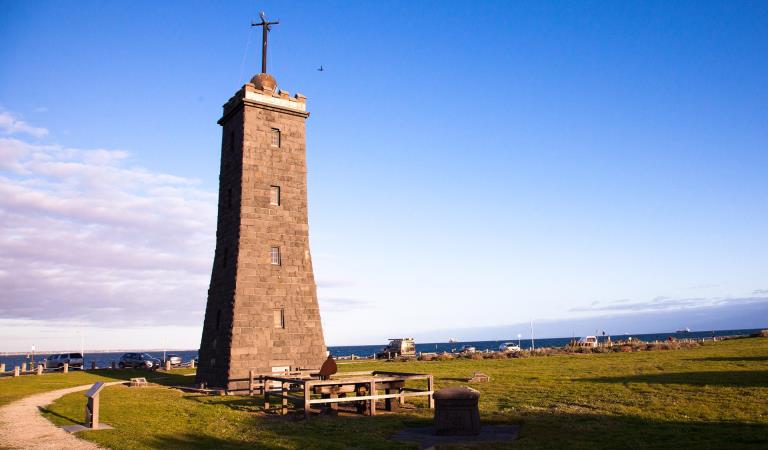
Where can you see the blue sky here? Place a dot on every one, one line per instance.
(470, 164)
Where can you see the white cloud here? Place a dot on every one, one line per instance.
(335, 304)
(669, 304)
(86, 236)
(90, 241)
(10, 124)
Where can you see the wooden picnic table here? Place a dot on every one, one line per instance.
(338, 389)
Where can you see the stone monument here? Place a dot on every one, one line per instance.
(262, 313)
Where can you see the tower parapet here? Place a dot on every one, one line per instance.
(267, 96)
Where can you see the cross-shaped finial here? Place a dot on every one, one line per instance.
(265, 30)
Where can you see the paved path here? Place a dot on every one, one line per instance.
(22, 426)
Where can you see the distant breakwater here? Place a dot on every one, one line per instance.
(104, 359)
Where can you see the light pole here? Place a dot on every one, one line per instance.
(532, 344)
(519, 340)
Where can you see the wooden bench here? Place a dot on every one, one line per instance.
(138, 382)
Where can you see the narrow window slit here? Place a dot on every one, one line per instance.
(279, 316)
(274, 254)
(274, 195)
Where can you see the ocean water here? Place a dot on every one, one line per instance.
(105, 359)
(367, 350)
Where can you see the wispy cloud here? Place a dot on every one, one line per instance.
(705, 286)
(341, 304)
(330, 284)
(88, 236)
(666, 303)
(11, 124)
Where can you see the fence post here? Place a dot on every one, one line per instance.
(250, 382)
(15, 371)
(66, 368)
(284, 392)
(431, 388)
(192, 363)
(39, 369)
(266, 395)
(23, 367)
(168, 365)
(2, 367)
(372, 392)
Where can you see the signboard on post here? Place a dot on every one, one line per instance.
(92, 407)
(91, 411)
(95, 389)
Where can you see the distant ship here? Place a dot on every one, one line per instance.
(684, 330)
(452, 341)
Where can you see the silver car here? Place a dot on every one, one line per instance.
(174, 359)
(73, 359)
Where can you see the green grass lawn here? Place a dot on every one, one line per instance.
(714, 396)
(15, 388)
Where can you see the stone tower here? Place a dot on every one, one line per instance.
(262, 312)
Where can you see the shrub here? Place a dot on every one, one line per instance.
(547, 351)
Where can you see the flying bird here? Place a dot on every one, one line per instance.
(320, 69)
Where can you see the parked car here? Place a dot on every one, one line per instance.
(139, 361)
(174, 359)
(508, 347)
(73, 359)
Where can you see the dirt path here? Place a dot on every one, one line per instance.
(22, 426)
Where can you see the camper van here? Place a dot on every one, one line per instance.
(588, 341)
(398, 347)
